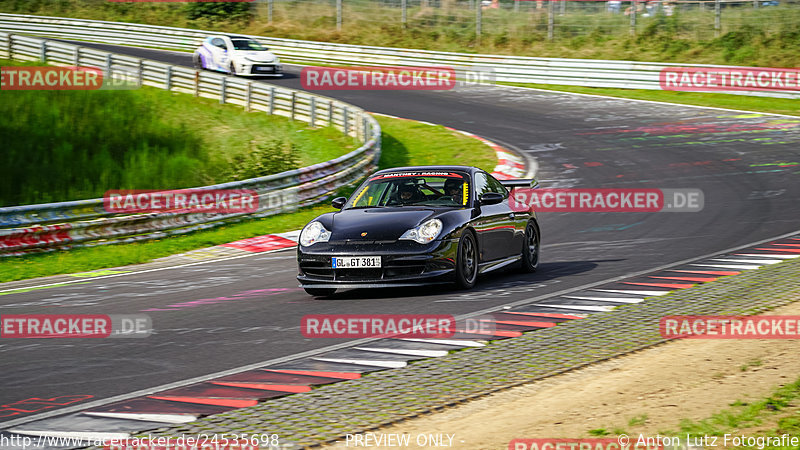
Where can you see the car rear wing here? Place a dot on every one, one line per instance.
(531, 183)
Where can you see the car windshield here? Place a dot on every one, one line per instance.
(417, 188)
(248, 44)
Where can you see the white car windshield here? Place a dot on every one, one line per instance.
(413, 188)
(248, 44)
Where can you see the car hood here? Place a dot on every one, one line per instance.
(262, 56)
(379, 224)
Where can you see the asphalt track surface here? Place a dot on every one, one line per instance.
(747, 165)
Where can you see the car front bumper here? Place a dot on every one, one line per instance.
(256, 69)
(403, 263)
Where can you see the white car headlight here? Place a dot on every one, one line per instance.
(313, 233)
(426, 232)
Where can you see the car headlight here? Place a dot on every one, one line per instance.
(426, 232)
(313, 233)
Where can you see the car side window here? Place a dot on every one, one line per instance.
(481, 184)
(497, 186)
(217, 42)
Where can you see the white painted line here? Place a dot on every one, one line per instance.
(364, 362)
(750, 261)
(426, 353)
(576, 307)
(165, 418)
(82, 435)
(459, 343)
(763, 255)
(605, 299)
(623, 291)
(727, 266)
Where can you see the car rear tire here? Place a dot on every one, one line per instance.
(530, 248)
(467, 261)
(320, 292)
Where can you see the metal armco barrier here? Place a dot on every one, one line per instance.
(33, 228)
(519, 69)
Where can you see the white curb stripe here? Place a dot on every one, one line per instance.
(447, 342)
(364, 362)
(426, 353)
(606, 299)
(623, 291)
(165, 418)
(580, 308)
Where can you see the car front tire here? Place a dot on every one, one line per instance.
(530, 248)
(232, 69)
(197, 60)
(467, 261)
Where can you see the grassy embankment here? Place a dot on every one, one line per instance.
(70, 145)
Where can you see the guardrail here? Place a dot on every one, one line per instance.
(29, 228)
(514, 69)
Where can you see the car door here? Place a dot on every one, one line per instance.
(513, 225)
(492, 223)
(219, 52)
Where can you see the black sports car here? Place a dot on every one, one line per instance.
(414, 226)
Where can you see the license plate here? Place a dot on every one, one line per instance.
(356, 262)
(264, 69)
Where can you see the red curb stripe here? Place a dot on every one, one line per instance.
(210, 401)
(503, 333)
(789, 245)
(790, 250)
(525, 324)
(343, 375)
(553, 315)
(697, 279)
(709, 272)
(266, 387)
(664, 285)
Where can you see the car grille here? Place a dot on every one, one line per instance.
(263, 68)
(322, 270)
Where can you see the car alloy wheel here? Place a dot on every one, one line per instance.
(530, 249)
(467, 261)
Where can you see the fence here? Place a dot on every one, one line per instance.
(549, 19)
(81, 223)
(519, 69)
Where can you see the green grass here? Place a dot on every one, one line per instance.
(773, 416)
(70, 145)
(741, 102)
(404, 143)
(759, 37)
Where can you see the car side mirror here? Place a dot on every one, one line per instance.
(339, 202)
(491, 198)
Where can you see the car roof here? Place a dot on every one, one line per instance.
(468, 169)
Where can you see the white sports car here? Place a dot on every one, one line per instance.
(236, 55)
